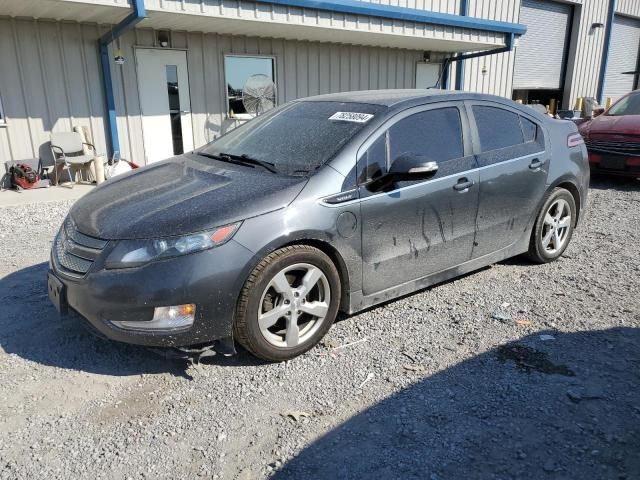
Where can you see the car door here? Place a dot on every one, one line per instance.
(415, 228)
(513, 164)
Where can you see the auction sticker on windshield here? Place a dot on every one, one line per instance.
(351, 117)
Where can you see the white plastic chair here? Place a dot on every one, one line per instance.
(67, 149)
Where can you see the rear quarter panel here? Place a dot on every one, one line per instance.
(568, 164)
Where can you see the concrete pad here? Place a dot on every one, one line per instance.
(40, 195)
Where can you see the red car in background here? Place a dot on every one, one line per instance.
(613, 138)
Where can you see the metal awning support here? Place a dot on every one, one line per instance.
(444, 82)
(136, 16)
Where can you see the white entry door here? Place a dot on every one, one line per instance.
(163, 83)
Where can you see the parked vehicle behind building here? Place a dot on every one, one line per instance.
(613, 138)
(335, 202)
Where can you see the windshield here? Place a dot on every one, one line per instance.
(629, 105)
(298, 137)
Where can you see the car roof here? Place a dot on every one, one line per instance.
(393, 97)
(403, 98)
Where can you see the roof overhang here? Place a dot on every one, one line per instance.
(346, 21)
(84, 11)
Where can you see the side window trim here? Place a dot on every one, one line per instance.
(384, 128)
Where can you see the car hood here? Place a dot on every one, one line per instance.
(181, 195)
(623, 125)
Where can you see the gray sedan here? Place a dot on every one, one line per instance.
(326, 204)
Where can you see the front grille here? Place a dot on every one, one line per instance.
(618, 148)
(75, 252)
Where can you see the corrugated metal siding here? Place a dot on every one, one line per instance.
(302, 69)
(541, 52)
(499, 68)
(630, 8)
(583, 68)
(295, 16)
(49, 82)
(625, 41)
(55, 81)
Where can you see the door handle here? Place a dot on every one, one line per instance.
(535, 164)
(463, 185)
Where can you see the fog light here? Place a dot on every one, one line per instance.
(176, 317)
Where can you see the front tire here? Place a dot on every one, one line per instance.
(288, 303)
(554, 227)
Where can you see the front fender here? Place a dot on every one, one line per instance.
(311, 223)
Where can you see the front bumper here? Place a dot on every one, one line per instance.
(625, 165)
(211, 279)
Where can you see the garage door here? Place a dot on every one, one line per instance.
(623, 57)
(540, 54)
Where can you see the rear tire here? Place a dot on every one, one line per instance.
(554, 227)
(288, 303)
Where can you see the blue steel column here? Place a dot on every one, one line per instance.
(464, 10)
(138, 14)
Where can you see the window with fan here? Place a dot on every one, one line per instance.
(250, 85)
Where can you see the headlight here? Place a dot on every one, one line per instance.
(133, 253)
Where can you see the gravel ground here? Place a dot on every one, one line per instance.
(516, 371)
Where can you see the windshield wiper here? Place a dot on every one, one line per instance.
(251, 161)
(239, 160)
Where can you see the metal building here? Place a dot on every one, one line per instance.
(181, 64)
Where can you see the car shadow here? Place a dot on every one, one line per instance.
(601, 181)
(32, 329)
(554, 407)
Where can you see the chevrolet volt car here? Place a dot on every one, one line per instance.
(332, 203)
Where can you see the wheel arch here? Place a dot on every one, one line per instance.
(569, 185)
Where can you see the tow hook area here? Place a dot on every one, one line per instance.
(195, 353)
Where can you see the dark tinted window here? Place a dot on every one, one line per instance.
(374, 162)
(299, 137)
(435, 134)
(498, 128)
(529, 130)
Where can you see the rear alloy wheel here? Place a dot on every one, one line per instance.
(288, 303)
(554, 227)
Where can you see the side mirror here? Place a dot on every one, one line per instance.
(598, 111)
(409, 166)
(406, 167)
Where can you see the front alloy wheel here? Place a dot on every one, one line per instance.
(288, 303)
(294, 305)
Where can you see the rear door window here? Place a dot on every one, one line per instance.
(498, 128)
(505, 135)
